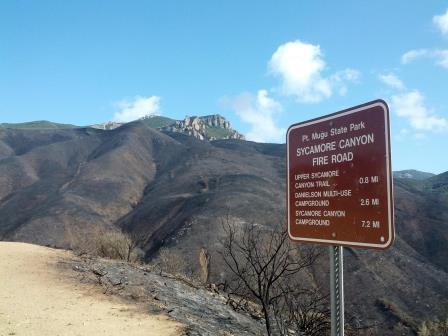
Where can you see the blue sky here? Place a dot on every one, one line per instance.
(262, 64)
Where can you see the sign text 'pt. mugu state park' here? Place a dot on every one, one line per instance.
(339, 178)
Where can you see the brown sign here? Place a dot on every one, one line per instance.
(339, 178)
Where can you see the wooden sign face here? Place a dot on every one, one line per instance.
(339, 181)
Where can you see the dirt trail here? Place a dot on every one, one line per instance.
(40, 298)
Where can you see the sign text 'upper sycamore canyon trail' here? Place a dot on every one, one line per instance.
(339, 178)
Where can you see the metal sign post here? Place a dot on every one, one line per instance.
(337, 290)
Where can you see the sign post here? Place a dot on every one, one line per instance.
(337, 290)
(339, 187)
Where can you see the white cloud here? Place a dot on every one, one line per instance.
(411, 105)
(392, 81)
(412, 55)
(300, 66)
(339, 79)
(258, 111)
(439, 55)
(441, 22)
(136, 108)
(442, 58)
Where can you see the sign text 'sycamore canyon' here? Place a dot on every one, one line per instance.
(339, 178)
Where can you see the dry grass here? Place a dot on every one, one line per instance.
(171, 262)
(106, 244)
(434, 328)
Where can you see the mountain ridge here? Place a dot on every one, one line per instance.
(208, 127)
(412, 174)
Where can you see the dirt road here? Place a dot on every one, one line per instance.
(38, 298)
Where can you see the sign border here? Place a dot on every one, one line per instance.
(390, 198)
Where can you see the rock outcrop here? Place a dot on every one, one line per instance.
(109, 125)
(211, 127)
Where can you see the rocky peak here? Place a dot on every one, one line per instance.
(210, 127)
(109, 125)
(216, 120)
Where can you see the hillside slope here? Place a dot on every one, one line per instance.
(173, 190)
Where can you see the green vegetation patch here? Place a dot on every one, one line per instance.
(218, 132)
(158, 121)
(38, 124)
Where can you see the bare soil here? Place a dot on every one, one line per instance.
(39, 297)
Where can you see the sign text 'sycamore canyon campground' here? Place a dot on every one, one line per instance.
(339, 178)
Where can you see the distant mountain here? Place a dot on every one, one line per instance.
(172, 190)
(412, 174)
(38, 124)
(432, 185)
(210, 127)
(438, 184)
